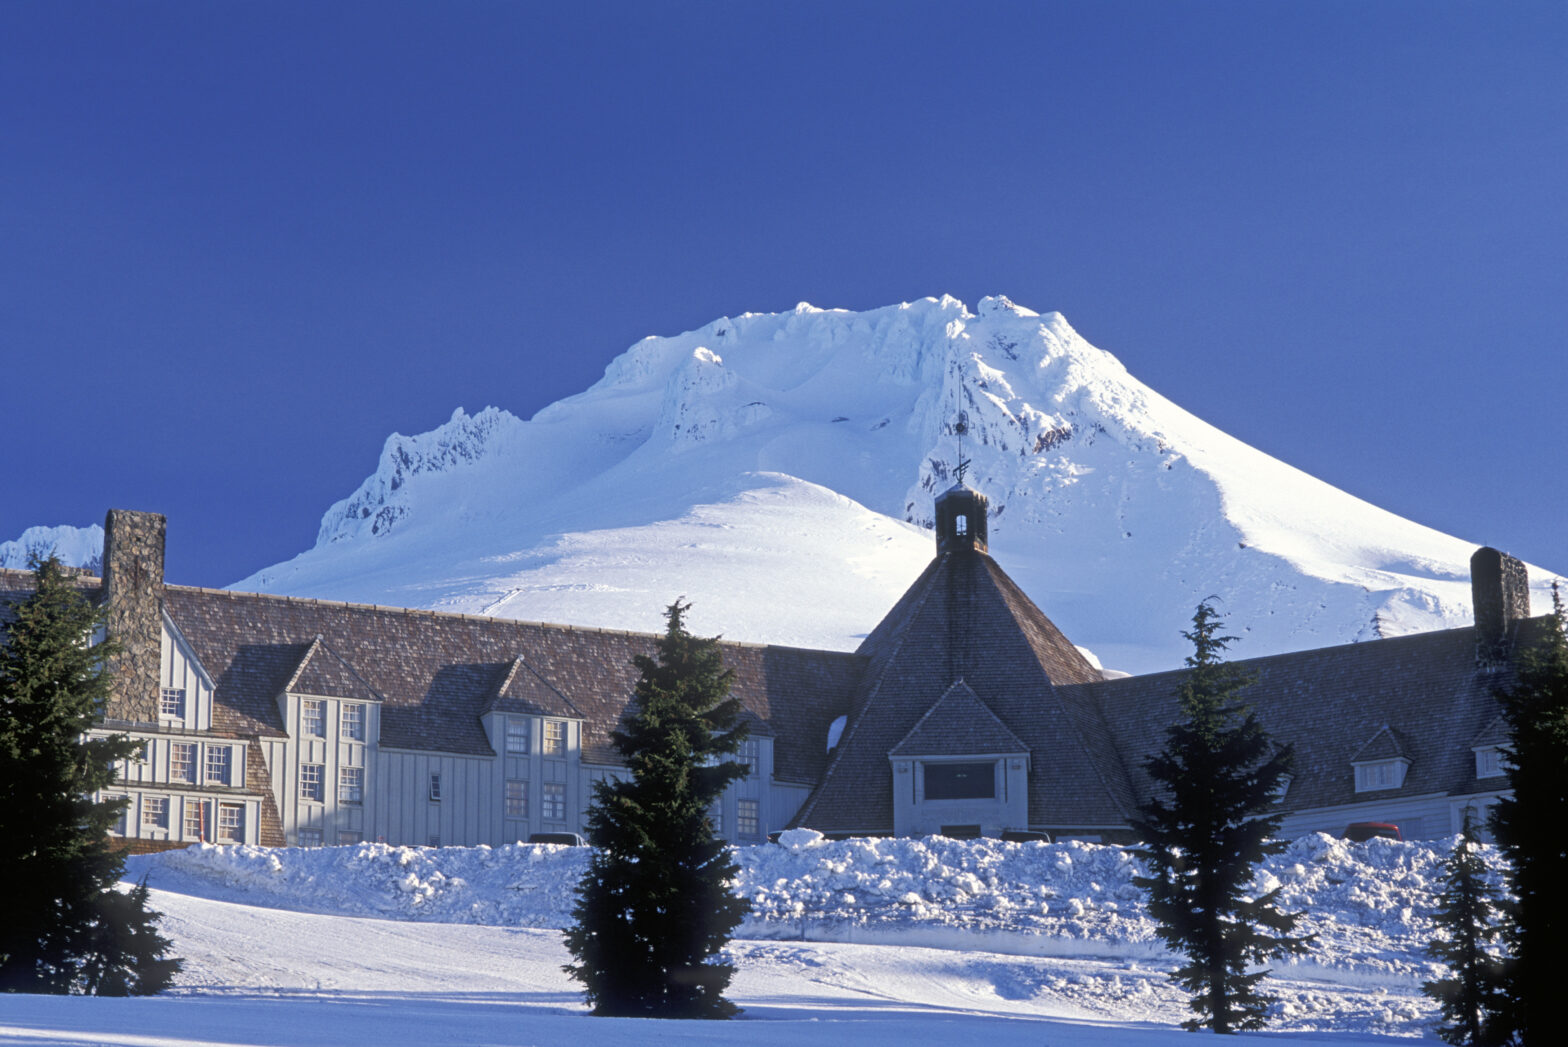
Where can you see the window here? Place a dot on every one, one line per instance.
(516, 798)
(348, 837)
(433, 840)
(351, 724)
(155, 812)
(1381, 774)
(182, 762)
(1278, 795)
(435, 786)
(312, 783)
(309, 837)
(351, 785)
(517, 737)
(554, 802)
(961, 525)
(747, 823)
(313, 717)
(748, 756)
(554, 738)
(1488, 762)
(218, 764)
(171, 702)
(194, 829)
(716, 818)
(231, 823)
(960, 781)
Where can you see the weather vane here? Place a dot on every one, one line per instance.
(961, 427)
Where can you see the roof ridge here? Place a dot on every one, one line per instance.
(466, 616)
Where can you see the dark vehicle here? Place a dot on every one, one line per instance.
(1355, 832)
(570, 839)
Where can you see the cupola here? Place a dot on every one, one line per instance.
(960, 520)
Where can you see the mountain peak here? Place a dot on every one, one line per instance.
(779, 469)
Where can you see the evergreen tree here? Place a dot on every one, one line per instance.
(1467, 913)
(655, 906)
(1201, 842)
(1530, 830)
(66, 929)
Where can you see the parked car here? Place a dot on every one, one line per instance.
(1024, 836)
(1355, 832)
(570, 839)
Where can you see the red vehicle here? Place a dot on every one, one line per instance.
(1355, 832)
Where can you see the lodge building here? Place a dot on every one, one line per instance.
(283, 721)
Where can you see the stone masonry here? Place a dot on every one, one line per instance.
(133, 599)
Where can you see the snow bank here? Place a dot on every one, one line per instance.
(1369, 904)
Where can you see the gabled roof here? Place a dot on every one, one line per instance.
(965, 619)
(1494, 733)
(959, 724)
(321, 672)
(1384, 745)
(1335, 701)
(524, 691)
(437, 674)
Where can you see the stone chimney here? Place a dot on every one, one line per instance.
(1500, 592)
(133, 599)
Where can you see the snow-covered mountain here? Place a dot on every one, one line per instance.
(74, 546)
(777, 470)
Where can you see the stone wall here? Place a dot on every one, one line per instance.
(133, 598)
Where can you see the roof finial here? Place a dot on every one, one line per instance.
(960, 427)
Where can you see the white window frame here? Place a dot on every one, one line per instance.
(195, 813)
(554, 738)
(552, 798)
(221, 758)
(1380, 775)
(748, 819)
(351, 785)
(155, 812)
(310, 837)
(312, 783)
(1490, 762)
(171, 703)
(188, 749)
(517, 737)
(435, 786)
(515, 798)
(231, 823)
(313, 718)
(351, 721)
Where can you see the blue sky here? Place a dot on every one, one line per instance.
(242, 243)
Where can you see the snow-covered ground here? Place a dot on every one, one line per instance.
(871, 941)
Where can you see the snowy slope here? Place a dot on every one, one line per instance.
(74, 546)
(775, 469)
(876, 941)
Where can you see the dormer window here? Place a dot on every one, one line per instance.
(1489, 762)
(1374, 775)
(1278, 795)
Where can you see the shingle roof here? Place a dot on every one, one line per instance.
(1384, 745)
(322, 672)
(1332, 702)
(965, 619)
(958, 724)
(437, 674)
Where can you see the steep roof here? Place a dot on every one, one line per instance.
(957, 725)
(437, 674)
(965, 619)
(1420, 696)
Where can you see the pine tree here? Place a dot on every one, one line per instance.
(1202, 841)
(66, 929)
(1529, 828)
(1467, 913)
(655, 906)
